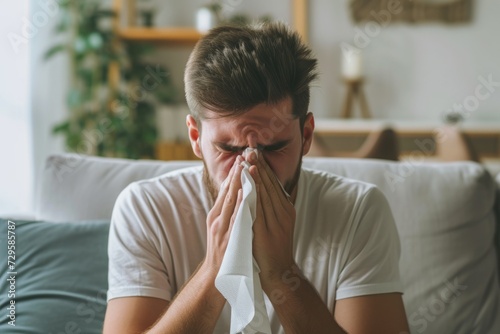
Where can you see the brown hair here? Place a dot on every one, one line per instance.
(232, 69)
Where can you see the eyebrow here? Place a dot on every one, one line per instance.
(271, 147)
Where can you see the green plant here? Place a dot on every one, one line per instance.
(110, 108)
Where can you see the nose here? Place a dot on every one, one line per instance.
(252, 139)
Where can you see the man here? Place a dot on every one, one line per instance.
(328, 254)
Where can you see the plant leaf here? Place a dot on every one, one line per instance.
(61, 127)
(54, 50)
(105, 13)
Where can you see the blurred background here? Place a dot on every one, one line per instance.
(105, 77)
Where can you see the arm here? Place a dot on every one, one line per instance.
(382, 313)
(197, 306)
(195, 309)
(132, 314)
(198, 299)
(299, 307)
(301, 310)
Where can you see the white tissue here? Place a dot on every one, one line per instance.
(247, 151)
(238, 278)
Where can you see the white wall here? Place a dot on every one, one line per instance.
(31, 101)
(412, 71)
(49, 80)
(16, 163)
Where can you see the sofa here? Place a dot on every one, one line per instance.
(445, 213)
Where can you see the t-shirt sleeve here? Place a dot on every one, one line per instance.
(371, 263)
(135, 264)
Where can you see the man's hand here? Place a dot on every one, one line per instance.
(220, 219)
(274, 225)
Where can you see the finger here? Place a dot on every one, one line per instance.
(270, 182)
(252, 157)
(259, 224)
(236, 209)
(266, 202)
(229, 204)
(219, 202)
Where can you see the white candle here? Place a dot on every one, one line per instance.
(352, 67)
(205, 19)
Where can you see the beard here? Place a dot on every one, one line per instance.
(213, 189)
(209, 182)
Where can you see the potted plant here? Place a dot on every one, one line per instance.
(111, 112)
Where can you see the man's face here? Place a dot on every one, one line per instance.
(270, 128)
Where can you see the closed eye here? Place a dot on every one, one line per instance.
(276, 146)
(229, 149)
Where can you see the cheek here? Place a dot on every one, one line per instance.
(225, 165)
(219, 165)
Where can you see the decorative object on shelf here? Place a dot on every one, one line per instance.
(352, 63)
(147, 18)
(453, 117)
(147, 13)
(355, 90)
(452, 144)
(109, 112)
(413, 11)
(208, 17)
(213, 14)
(352, 74)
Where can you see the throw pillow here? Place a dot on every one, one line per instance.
(56, 280)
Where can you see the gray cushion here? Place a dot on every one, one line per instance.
(445, 217)
(498, 219)
(75, 187)
(61, 280)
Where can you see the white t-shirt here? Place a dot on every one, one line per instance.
(345, 239)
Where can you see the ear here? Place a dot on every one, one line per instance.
(307, 133)
(194, 135)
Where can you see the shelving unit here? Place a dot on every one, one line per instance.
(169, 36)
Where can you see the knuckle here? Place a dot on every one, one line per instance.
(210, 217)
(229, 199)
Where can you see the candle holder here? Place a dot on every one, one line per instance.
(355, 90)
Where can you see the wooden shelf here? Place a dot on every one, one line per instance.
(409, 128)
(174, 151)
(187, 36)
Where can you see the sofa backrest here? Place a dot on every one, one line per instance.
(444, 214)
(79, 187)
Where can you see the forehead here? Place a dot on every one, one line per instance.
(276, 119)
